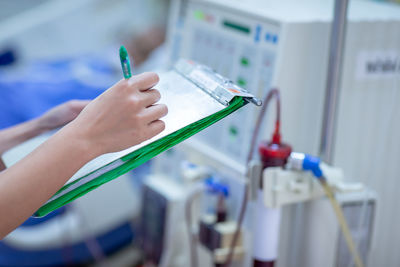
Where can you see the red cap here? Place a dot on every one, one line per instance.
(273, 154)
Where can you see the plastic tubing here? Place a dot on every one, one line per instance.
(342, 222)
(267, 99)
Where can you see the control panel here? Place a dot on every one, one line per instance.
(238, 47)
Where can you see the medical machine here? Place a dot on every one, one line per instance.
(264, 44)
(284, 44)
(162, 224)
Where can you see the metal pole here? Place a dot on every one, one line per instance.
(333, 82)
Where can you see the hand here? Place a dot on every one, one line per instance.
(124, 115)
(54, 118)
(61, 114)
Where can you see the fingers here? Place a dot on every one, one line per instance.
(154, 112)
(150, 97)
(155, 128)
(139, 88)
(144, 81)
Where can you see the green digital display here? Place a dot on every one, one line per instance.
(242, 82)
(244, 61)
(199, 15)
(236, 26)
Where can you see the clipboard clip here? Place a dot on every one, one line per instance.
(220, 88)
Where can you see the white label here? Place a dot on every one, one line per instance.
(378, 65)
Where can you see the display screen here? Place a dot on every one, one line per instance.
(236, 26)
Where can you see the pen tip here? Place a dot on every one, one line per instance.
(122, 52)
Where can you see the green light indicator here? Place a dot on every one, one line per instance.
(244, 61)
(233, 130)
(236, 27)
(199, 15)
(241, 82)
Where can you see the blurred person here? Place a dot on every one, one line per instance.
(54, 118)
(124, 115)
(145, 43)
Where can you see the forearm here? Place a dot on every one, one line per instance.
(123, 116)
(28, 184)
(15, 135)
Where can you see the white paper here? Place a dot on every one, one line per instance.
(186, 104)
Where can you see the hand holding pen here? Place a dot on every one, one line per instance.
(126, 114)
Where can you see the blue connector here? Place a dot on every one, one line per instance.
(312, 163)
(214, 186)
(301, 161)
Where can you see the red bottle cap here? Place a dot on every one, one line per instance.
(274, 154)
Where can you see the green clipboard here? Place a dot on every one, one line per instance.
(196, 97)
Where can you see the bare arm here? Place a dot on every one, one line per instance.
(17, 134)
(54, 118)
(123, 116)
(26, 185)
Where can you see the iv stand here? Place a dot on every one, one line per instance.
(333, 82)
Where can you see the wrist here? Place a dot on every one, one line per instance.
(33, 128)
(82, 140)
(40, 125)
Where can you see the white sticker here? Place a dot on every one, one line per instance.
(378, 65)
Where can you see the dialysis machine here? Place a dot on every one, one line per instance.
(284, 44)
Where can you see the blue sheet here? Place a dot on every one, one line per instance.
(29, 91)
